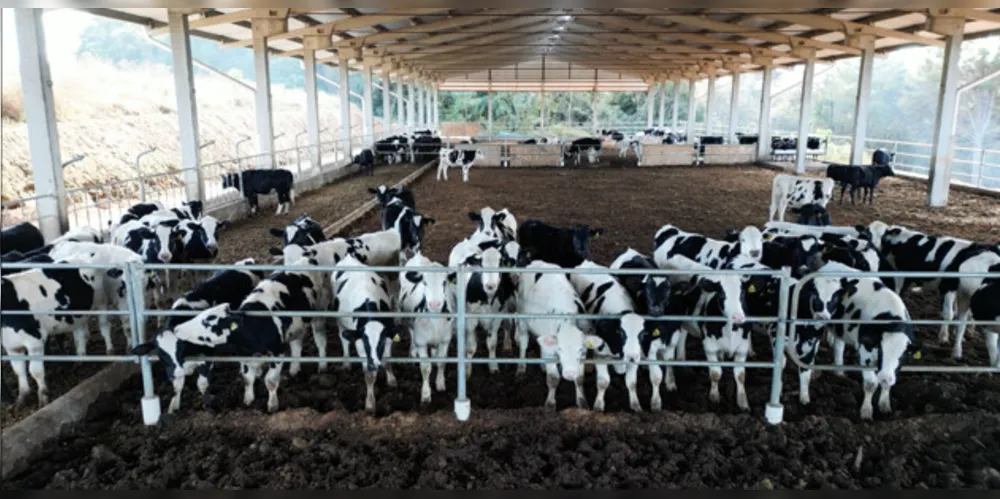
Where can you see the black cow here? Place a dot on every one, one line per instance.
(865, 178)
(426, 148)
(22, 237)
(255, 182)
(813, 214)
(883, 158)
(590, 145)
(566, 247)
(366, 160)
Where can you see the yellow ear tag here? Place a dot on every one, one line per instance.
(395, 338)
(656, 332)
(917, 355)
(752, 289)
(590, 344)
(597, 235)
(233, 326)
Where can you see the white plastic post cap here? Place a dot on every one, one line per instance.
(462, 409)
(774, 413)
(150, 410)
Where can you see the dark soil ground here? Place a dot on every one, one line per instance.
(942, 433)
(246, 238)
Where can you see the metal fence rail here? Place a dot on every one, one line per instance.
(138, 315)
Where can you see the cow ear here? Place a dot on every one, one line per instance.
(707, 285)
(592, 342)
(145, 348)
(350, 334)
(452, 277)
(276, 232)
(595, 233)
(429, 221)
(413, 277)
(114, 273)
(372, 190)
(275, 251)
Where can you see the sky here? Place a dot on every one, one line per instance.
(62, 35)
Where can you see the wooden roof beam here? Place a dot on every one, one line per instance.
(426, 44)
(846, 27)
(348, 24)
(433, 27)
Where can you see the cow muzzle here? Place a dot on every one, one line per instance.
(569, 375)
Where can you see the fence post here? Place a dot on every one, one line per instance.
(982, 165)
(462, 405)
(150, 402)
(774, 412)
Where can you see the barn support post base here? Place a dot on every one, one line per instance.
(151, 410)
(774, 413)
(463, 408)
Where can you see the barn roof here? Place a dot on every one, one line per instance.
(570, 49)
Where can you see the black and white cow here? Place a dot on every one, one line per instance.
(84, 234)
(616, 139)
(22, 237)
(391, 149)
(111, 288)
(361, 292)
(40, 255)
(485, 292)
(967, 291)
(983, 307)
(434, 292)
(456, 157)
(792, 192)
(255, 182)
(373, 248)
(494, 224)
(385, 194)
(772, 229)
(814, 214)
(912, 251)
(408, 223)
(137, 211)
(717, 296)
(883, 346)
(48, 294)
(566, 247)
(425, 148)
(366, 161)
(224, 287)
(562, 339)
(670, 240)
(303, 231)
(601, 294)
(589, 145)
(189, 210)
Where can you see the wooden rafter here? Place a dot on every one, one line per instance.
(347, 24)
(834, 24)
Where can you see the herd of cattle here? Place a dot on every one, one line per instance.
(242, 312)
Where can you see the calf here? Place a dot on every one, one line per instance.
(22, 237)
(425, 148)
(390, 149)
(813, 214)
(670, 240)
(884, 346)
(485, 292)
(366, 160)
(303, 231)
(80, 235)
(495, 224)
(48, 294)
(192, 210)
(590, 145)
(386, 194)
(912, 251)
(982, 306)
(139, 210)
(111, 288)
(454, 157)
(409, 225)
(365, 292)
(789, 191)
(255, 182)
(881, 157)
(601, 294)
(434, 292)
(560, 338)
(148, 244)
(565, 247)
(714, 296)
(229, 287)
(865, 178)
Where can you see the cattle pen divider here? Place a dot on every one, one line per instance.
(150, 402)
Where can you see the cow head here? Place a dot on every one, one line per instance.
(582, 235)
(898, 345)
(375, 336)
(382, 194)
(569, 345)
(625, 333)
(820, 297)
(303, 230)
(436, 288)
(751, 242)
(200, 238)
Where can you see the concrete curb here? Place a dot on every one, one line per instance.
(25, 438)
(352, 217)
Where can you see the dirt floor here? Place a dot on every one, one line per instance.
(246, 238)
(943, 431)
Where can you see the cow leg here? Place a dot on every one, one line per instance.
(508, 332)
(947, 313)
(655, 379)
(250, 373)
(80, 339)
(370, 377)
(441, 351)
(669, 381)
(838, 355)
(126, 328)
(37, 370)
(390, 377)
(425, 373)
(272, 379)
(522, 345)
(843, 188)
(346, 348)
(20, 368)
(296, 347)
(320, 339)
(631, 381)
(681, 353)
(252, 199)
(809, 348)
(714, 372)
(993, 347)
(175, 401)
(870, 380)
(204, 372)
(465, 173)
(740, 375)
(104, 324)
(552, 381)
(470, 344)
(963, 315)
(492, 331)
(603, 381)
(581, 398)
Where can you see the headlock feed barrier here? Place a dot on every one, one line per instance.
(137, 314)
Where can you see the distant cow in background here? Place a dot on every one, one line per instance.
(456, 157)
(789, 191)
(590, 145)
(255, 182)
(366, 160)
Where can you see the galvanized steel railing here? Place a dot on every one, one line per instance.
(138, 313)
